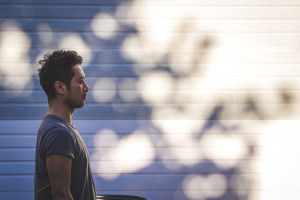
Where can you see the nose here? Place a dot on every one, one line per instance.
(86, 87)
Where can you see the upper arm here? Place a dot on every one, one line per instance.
(58, 140)
(59, 172)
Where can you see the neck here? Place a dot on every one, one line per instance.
(61, 110)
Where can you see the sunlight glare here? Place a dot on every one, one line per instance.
(156, 81)
(133, 49)
(105, 140)
(14, 48)
(104, 84)
(224, 147)
(74, 41)
(280, 162)
(45, 33)
(200, 188)
(128, 95)
(126, 155)
(104, 20)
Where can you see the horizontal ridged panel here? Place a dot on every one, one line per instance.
(92, 141)
(74, 2)
(192, 83)
(223, 55)
(215, 56)
(30, 127)
(174, 97)
(139, 182)
(144, 70)
(229, 12)
(156, 167)
(209, 26)
(92, 70)
(145, 112)
(155, 2)
(153, 195)
(28, 154)
(27, 11)
(279, 40)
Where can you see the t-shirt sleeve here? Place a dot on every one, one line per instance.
(58, 140)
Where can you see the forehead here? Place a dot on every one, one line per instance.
(78, 71)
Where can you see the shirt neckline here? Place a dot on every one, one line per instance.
(59, 118)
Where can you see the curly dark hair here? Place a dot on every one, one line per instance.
(57, 66)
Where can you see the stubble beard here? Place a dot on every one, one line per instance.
(73, 104)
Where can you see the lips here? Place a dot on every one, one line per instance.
(84, 97)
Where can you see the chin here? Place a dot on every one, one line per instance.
(78, 105)
(82, 105)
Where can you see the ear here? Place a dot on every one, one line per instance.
(60, 87)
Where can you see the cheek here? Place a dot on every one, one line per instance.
(77, 87)
(80, 89)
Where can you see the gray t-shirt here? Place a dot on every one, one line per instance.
(56, 136)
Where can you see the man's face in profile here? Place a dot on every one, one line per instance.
(77, 94)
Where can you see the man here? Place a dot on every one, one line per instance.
(62, 169)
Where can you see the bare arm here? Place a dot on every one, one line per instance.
(59, 171)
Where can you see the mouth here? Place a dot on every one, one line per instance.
(84, 97)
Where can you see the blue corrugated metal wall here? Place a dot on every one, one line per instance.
(181, 119)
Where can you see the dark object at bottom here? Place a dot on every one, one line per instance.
(119, 197)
